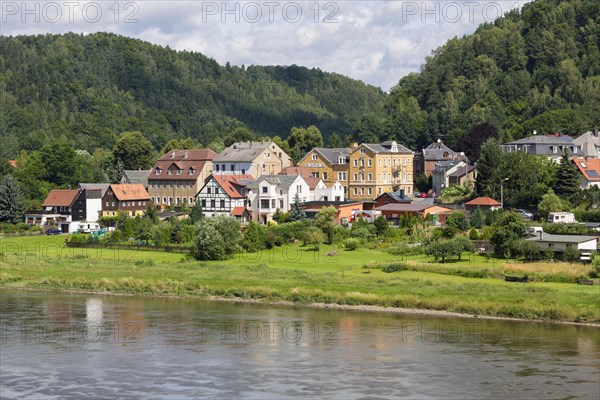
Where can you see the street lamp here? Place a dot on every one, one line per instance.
(502, 192)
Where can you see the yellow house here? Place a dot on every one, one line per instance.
(379, 168)
(330, 165)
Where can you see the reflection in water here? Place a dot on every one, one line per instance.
(165, 348)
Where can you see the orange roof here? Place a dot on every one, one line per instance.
(60, 198)
(483, 201)
(232, 184)
(132, 191)
(589, 167)
(238, 211)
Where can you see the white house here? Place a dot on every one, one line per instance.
(225, 195)
(271, 192)
(324, 193)
(560, 243)
(251, 158)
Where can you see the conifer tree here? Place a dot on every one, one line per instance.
(11, 200)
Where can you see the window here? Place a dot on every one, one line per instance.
(177, 200)
(281, 192)
(217, 167)
(385, 162)
(212, 203)
(265, 189)
(355, 177)
(362, 162)
(170, 184)
(113, 203)
(363, 151)
(370, 163)
(362, 190)
(243, 172)
(272, 203)
(179, 171)
(232, 166)
(157, 171)
(355, 162)
(299, 188)
(370, 177)
(281, 204)
(191, 200)
(341, 160)
(107, 204)
(314, 157)
(165, 200)
(341, 176)
(164, 184)
(203, 203)
(355, 191)
(362, 176)
(379, 191)
(208, 190)
(222, 204)
(264, 204)
(325, 175)
(315, 174)
(370, 191)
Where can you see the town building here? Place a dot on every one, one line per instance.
(330, 165)
(451, 172)
(87, 206)
(589, 169)
(251, 158)
(271, 192)
(588, 144)
(484, 203)
(392, 197)
(225, 194)
(394, 211)
(131, 199)
(136, 176)
(585, 245)
(344, 209)
(56, 209)
(319, 191)
(551, 146)
(426, 160)
(178, 175)
(379, 168)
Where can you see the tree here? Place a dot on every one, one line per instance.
(301, 141)
(296, 212)
(325, 220)
(280, 217)
(240, 134)
(11, 200)
(208, 244)
(133, 150)
(59, 160)
(196, 213)
(550, 203)
(313, 236)
(472, 141)
(567, 177)
(144, 231)
(458, 221)
(254, 238)
(381, 226)
(510, 226)
(152, 213)
(489, 174)
(477, 219)
(178, 144)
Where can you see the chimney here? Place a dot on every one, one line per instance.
(595, 132)
(353, 145)
(173, 154)
(402, 193)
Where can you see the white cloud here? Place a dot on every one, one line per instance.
(375, 41)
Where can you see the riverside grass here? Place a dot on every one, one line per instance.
(292, 273)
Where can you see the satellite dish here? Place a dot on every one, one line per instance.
(439, 140)
(535, 132)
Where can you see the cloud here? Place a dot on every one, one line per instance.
(374, 41)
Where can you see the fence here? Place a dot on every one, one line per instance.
(21, 233)
(136, 247)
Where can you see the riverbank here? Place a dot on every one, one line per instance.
(296, 276)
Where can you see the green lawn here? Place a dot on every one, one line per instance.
(296, 274)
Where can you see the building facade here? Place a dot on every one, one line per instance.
(427, 159)
(330, 165)
(269, 193)
(178, 175)
(379, 168)
(251, 158)
(224, 195)
(131, 199)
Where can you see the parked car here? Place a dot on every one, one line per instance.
(526, 214)
(53, 231)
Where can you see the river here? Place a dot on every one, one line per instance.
(63, 346)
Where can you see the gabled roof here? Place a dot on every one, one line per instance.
(463, 171)
(439, 151)
(589, 143)
(333, 155)
(398, 197)
(60, 198)
(246, 151)
(282, 181)
(125, 192)
(238, 211)
(590, 168)
(304, 173)
(103, 186)
(189, 155)
(136, 176)
(412, 207)
(233, 185)
(483, 201)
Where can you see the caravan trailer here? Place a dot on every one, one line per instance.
(88, 227)
(561, 218)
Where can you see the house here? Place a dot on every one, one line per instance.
(271, 192)
(251, 158)
(394, 211)
(379, 168)
(484, 203)
(426, 160)
(589, 169)
(136, 176)
(57, 209)
(330, 165)
(178, 175)
(392, 197)
(588, 144)
(225, 194)
(585, 245)
(87, 206)
(344, 209)
(551, 146)
(318, 189)
(463, 176)
(440, 176)
(131, 199)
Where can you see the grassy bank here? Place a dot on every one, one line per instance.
(292, 273)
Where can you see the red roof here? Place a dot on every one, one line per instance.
(238, 211)
(190, 164)
(483, 201)
(232, 184)
(417, 207)
(60, 198)
(590, 168)
(132, 191)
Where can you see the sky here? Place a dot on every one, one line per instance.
(377, 42)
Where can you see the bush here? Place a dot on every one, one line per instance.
(364, 234)
(351, 244)
(458, 221)
(208, 245)
(571, 254)
(473, 235)
(394, 267)
(254, 238)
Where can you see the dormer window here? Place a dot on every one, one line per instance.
(179, 171)
(157, 171)
(192, 171)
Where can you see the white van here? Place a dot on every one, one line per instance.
(561, 218)
(88, 227)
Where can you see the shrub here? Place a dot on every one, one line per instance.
(458, 221)
(314, 236)
(351, 244)
(208, 245)
(473, 235)
(571, 254)
(394, 267)
(254, 238)
(364, 234)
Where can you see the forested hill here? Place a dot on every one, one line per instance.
(91, 88)
(533, 69)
